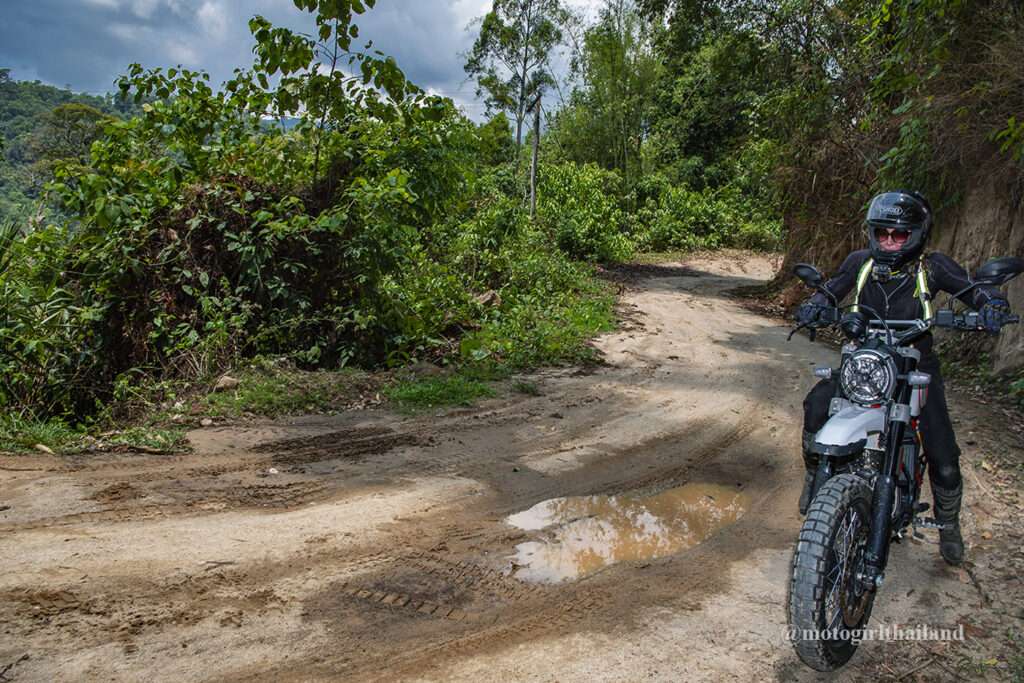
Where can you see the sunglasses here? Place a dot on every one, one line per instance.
(890, 235)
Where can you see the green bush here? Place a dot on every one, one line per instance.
(686, 220)
(193, 244)
(679, 218)
(579, 205)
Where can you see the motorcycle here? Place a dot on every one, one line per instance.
(871, 467)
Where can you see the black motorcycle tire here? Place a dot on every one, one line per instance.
(844, 497)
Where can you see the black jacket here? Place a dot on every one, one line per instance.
(895, 298)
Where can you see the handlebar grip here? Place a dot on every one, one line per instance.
(1013, 319)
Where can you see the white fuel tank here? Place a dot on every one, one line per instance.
(852, 424)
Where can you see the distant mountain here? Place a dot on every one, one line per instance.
(284, 122)
(22, 105)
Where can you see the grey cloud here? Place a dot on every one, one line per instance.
(86, 44)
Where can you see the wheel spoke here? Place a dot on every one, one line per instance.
(839, 574)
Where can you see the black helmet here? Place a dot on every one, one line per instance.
(903, 211)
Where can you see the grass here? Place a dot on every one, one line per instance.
(528, 388)
(165, 439)
(24, 434)
(264, 389)
(19, 435)
(430, 392)
(272, 391)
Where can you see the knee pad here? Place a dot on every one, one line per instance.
(946, 476)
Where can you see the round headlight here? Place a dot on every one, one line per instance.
(868, 377)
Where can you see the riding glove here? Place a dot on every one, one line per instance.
(994, 314)
(808, 313)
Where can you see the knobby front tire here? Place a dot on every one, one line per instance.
(827, 604)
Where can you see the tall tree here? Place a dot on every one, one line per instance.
(607, 119)
(509, 59)
(67, 132)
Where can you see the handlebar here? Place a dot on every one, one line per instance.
(969, 321)
(946, 318)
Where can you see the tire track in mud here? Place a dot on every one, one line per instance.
(426, 583)
(118, 610)
(201, 489)
(477, 608)
(682, 473)
(455, 606)
(460, 591)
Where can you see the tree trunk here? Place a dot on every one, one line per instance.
(521, 105)
(536, 152)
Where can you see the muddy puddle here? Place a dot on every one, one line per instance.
(580, 535)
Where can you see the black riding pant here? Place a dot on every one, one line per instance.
(940, 445)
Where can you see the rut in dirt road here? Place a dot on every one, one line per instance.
(380, 548)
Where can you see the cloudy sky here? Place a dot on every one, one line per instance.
(86, 44)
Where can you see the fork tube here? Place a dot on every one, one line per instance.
(879, 536)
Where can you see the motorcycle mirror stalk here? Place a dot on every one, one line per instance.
(813, 278)
(999, 271)
(996, 272)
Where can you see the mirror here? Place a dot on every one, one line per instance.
(808, 273)
(1000, 270)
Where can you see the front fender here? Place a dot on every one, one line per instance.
(849, 430)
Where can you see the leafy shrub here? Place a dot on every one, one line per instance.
(672, 218)
(200, 236)
(579, 205)
(686, 220)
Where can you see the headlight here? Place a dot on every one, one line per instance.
(868, 377)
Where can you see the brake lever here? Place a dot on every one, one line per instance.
(796, 329)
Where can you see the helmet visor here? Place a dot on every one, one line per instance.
(891, 239)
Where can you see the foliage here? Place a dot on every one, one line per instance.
(385, 228)
(608, 116)
(18, 433)
(26, 108)
(579, 206)
(496, 144)
(684, 219)
(67, 133)
(704, 110)
(509, 59)
(381, 229)
(873, 96)
(274, 389)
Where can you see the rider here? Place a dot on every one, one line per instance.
(895, 278)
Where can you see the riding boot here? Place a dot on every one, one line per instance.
(947, 512)
(810, 466)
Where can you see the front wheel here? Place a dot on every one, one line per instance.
(828, 605)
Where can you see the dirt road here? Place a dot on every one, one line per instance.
(373, 546)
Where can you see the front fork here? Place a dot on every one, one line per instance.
(876, 553)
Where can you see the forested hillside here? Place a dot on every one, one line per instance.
(386, 227)
(39, 124)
